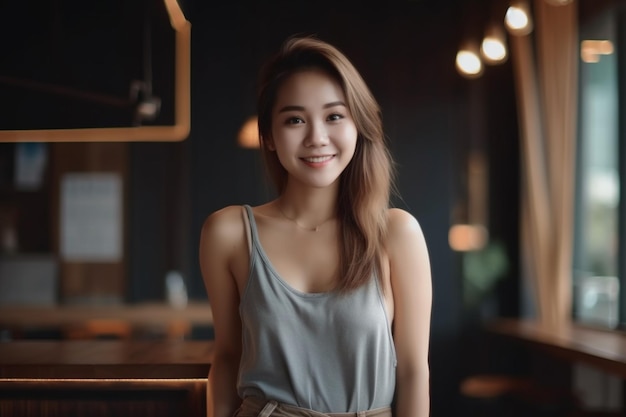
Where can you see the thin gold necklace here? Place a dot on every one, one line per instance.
(307, 228)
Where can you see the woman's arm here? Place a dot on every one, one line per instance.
(412, 291)
(219, 240)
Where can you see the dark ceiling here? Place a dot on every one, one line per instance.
(67, 61)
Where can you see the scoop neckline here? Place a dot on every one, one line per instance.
(268, 262)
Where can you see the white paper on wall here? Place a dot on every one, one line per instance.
(91, 217)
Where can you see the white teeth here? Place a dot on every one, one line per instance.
(317, 159)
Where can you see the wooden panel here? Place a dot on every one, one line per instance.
(152, 398)
(90, 281)
(24, 212)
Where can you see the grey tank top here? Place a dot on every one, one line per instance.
(328, 352)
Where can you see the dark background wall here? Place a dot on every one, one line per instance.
(405, 50)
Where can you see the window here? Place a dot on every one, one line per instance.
(597, 239)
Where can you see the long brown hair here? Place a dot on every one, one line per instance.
(367, 182)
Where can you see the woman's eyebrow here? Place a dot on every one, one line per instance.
(334, 103)
(301, 108)
(291, 108)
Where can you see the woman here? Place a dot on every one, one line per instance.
(321, 298)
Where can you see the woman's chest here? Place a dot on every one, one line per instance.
(309, 264)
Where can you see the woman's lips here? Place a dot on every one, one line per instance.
(318, 159)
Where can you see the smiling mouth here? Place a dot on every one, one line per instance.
(318, 159)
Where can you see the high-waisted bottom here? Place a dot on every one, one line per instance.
(257, 407)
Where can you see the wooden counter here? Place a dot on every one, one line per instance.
(140, 314)
(104, 378)
(132, 318)
(105, 359)
(604, 349)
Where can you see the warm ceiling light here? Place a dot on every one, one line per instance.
(468, 63)
(467, 237)
(591, 50)
(493, 48)
(249, 134)
(517, 19)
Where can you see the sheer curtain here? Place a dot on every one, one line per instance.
(546, 76)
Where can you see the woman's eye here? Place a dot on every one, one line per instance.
(294, 121)
(335, 116)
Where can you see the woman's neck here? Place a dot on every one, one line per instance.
(308, 207)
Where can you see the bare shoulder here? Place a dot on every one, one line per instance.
(402, 225)
(221, 223)
(405, 241)
(223, 229)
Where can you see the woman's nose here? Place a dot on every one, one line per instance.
(317, 135)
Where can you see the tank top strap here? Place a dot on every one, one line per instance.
(254, 235)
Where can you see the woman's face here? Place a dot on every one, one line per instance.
(313, 133)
